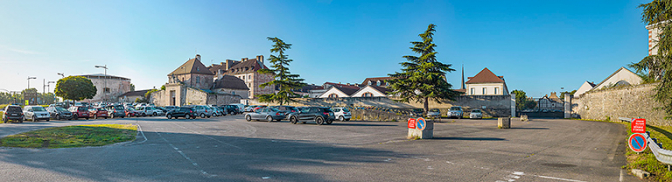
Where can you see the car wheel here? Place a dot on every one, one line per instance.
(58, 117)
(330, 121)
(34, 118)
(347, 119)
(169, 116)
(143, 114)
(319, 120)
(293, 120)
(20, 120)
(105, 117)
(154, 114)
(122, 116)
(341, 118)
(75, 117)
(4, 119)
(47, 120)
(269, 119)
(248, 118)
(202, 115)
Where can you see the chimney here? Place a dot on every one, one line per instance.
(198, 57)
(260, 58)
(243, 60)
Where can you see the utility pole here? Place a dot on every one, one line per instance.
(105, 83)
(44, 85)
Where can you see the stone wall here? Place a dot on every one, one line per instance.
(492, 105)
(631, 102)
(191, 96)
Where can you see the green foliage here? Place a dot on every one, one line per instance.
(660, 66)
(163, 87)
(75, 88)
(149, 93)
(132, 87)
(562, 94)
(521, 99)
(282, 77)
(646, 160)
(72, 136)
(423, 74)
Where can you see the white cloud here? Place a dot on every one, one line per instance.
(21, 51)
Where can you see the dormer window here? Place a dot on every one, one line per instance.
(369, 82)
(378, 84)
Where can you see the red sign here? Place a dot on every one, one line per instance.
(638, 125)
(637, 142)
(411, 123)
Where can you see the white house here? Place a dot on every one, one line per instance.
(622, 76)
(486, 83)
(336, 92)
(371, 91)
(584, 88)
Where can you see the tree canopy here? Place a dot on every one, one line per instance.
(75, 88)
(658, 13)
(285, 80)
(423, 77)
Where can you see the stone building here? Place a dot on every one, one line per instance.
(109, 87)
(192, 74)
(486, 83)
(246, 69)
(132, 95)
(551, 103)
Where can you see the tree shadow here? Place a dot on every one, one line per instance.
(528, 128)
(190, 157)
(469, 138)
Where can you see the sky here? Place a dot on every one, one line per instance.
(538, 46)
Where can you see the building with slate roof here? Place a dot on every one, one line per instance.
(486, 83)
(246, 70)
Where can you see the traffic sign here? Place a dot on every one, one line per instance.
(638, 125)
(411, 123)
(637, 142)
(421, 124)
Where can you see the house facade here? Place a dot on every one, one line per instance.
(371, 91)
(622, 76)
(486, 83)
(585, 87)
(246, 70)
(551, 103)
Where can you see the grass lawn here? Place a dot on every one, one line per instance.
(646, 160)
(72, 136)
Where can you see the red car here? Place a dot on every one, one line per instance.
(79, 112)
(132, 112)
(98, 113)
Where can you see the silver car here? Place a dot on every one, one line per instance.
(35, 113)
(434, 113)
(268, 113)
(342, 113)
(476, 114)
(455, 112)
(202, 111)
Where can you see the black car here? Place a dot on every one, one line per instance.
(186, 112)
(321, 115)
(59, 113)
(231, 109)
(13, 112)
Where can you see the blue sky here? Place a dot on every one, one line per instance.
(538, 46)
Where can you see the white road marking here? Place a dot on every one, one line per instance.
(429, 167)
(266, 177)
(620, 178)
(388, 159)
(143, 134)
(185, 156)
(516, 175)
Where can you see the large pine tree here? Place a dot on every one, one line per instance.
(658, 13)
(423, 77)
(283, 78)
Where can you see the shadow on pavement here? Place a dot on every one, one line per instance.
(514, 128)
(188, 157)
(468, 138)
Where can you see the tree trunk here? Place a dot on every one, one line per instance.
(426, 107)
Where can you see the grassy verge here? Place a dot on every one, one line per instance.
(72, 136)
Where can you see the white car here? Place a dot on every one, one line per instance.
(342, 113)
(476, 114)
(35, 113)
(456, 112)
(434, 113)
(150, 111)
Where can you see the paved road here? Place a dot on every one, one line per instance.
(231, 149)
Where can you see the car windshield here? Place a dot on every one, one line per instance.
(455, 109)
(14, 109)
(100, 109)
(476, 111)
(346, 110)
(130, 109)
(273, 109)
(82, 109)
(38, 109)
(119, 108)
(60, 109)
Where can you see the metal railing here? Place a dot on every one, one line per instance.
(662, 155)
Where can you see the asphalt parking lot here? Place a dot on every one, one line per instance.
(230, 149)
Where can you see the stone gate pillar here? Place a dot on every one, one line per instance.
(568, 105)
(513, 105)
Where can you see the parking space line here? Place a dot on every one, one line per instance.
(186, 157)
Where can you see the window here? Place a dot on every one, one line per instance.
(484, 91)
(367, 94)
(387, 83)
(249, 76)
(107, 90)
(198, 79)
(496, 90)
(472, 91)
(333, 96)
(369, 82)
(378, 84)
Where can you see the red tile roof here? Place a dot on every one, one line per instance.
(486, 76)
(374, 80)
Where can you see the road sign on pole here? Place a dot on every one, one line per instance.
(638, 125)
(411, 123)
(637, 142)
(421, 124)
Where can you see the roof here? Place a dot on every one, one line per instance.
(342, 85)
(460, 90)
(231, 82)
(376, 79)
(249, 66)
(486, 76)
(381, 89)
(347, 90)
(619, 70)
(134, 93)
(103, 75)
(192, 66)
(222, 66)
(591, 84)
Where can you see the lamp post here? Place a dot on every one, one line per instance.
(62, 74)
(30, 78)
(105, 82)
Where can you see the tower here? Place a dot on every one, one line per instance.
(462, 83)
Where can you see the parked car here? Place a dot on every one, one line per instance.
(201, 111)
(321, 115)
(268, 113)
(249, 108)
(417, 112)
(241, 107)
(98, 112)
(456, 112)
(150, 111)
(434, 113)
(116, 111)
(13, 113)
(186, 112)
(210, 110)
(342, 113)
(220, 111)
(79, 112)
(35, 113)
(170, 108)
(476, 114)
(59, 113)
(231, 109)
(130, 112)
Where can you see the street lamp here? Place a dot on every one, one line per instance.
(30, 78)
(62, 74)
(105, 83)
